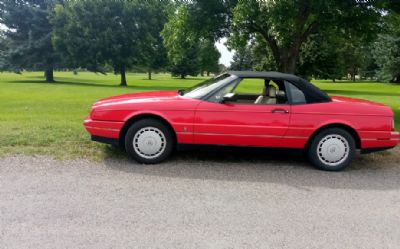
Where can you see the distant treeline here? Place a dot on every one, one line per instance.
(326, 39)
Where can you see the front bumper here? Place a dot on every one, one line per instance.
(103, 129)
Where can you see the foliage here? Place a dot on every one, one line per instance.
(188, 64)
(322, 58)
(3, 48)
(207, 19)
(387, 56)
(209, 57)
(182, 44)
(313, 38)
(262, 57)
(29, 35)
(92, 33)
(196, 25)
(242, 59)
(154, 54)
(386, 50)
(287, 24)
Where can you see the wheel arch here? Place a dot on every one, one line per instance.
(140, 116)
(343, 126)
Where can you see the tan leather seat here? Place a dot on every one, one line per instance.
(268, 97)
(263, 95)
(271, 97)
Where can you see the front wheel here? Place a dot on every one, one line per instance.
(149, 141)
(332, 149)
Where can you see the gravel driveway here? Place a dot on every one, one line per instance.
(198, 202)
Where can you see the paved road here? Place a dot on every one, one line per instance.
(198, 203)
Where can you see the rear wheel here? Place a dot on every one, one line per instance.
(332, 149)
(149, 141)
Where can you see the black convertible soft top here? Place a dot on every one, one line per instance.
(313, 94)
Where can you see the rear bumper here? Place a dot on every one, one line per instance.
(377, 141)
(103, 129)
(372, 150)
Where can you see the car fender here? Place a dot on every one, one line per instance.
(338, 122)
(335, 122)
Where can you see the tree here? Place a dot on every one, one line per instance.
(93, 33)
(386, 50)
(3, 48)
(207, 19)
(261, 55)
(197, 23)
(353, 56)
(188, 64)
(286, 25)
(209, 57)
(154, 57)
(322, 58)
(388, 47)
(29, 35)
(242, 59)
(182, 44)
(154, 54)
(222, 68)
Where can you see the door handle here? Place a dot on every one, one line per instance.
(280, 111)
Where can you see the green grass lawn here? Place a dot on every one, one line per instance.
(42, 118)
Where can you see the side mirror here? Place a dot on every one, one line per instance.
(229, 97)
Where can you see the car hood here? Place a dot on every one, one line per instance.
(138, 97)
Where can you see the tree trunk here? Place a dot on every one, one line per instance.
(288, 65)
(149, 75)
(49, 74)
(286, 58)
(182, 76)
(202, 73)
(208, 73)
(352, 75)
(123, 76)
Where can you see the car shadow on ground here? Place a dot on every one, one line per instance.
(375, 172)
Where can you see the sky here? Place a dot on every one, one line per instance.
(226, 55)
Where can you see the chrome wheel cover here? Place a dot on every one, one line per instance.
(149, 142)
(333, 150)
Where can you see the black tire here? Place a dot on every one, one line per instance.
(319, 148)
(151, 125)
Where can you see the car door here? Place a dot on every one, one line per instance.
(241, 124)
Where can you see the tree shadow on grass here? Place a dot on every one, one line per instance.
(264, 166)
(90, 84)
(33, 76)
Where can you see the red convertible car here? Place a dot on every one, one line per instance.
(252, 109)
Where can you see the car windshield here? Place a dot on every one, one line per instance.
(202, 89)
